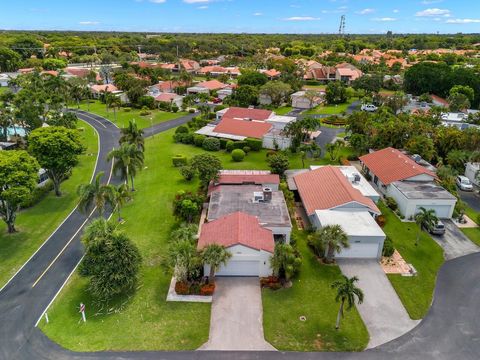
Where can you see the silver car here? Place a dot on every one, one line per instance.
(438, 229)
(464, 183)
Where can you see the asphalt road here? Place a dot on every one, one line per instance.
(450, 331)
(472, 198)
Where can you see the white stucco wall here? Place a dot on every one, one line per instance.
(471, 171)
(268, 141)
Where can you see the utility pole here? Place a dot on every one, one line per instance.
(341, 28)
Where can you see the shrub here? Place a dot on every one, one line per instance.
(246, 149)
(187, 172)
(230, 145)
(38, 194)
(352, 157)
(270, 153)
(278, 163)
(238, 155)
(191, 111)
(198, 140)
(127, 109)
(211, 144)
(207, 290)
(381, 220)
(391, 203)
(254, 144)
(187, 138)
(182, 129)
(175, 108)
(145, 113)
(211, 116)
(223, 143)
(219, 107)
(179, 160)
(178, 137)
(388, 248)
(181, 288)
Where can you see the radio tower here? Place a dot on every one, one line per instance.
(341, 28)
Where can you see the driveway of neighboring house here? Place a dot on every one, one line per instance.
(382, 311)
(472, 198)
(327, 136)
(236, 320)
(454, 242)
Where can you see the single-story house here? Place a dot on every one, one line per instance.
(207, 86)
(271, 73)
(170, 98)
(216, 70)
(236, 123)
(187, 65)
(250, 244)
(347, 72)
(330, 198)
(471, 172)
(300, 100)
(408, 182)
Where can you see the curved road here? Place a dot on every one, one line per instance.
(451, 329)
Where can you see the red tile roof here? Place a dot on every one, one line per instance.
(253, 129)
(236, 229)
(440, 100)
(391, 165)
(105, 87)
(166, 97)
(212, 85)
(80, 72)
(168, 86)
(326, 188)
(245, 113)
(245, 178)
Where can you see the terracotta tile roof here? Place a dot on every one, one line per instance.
(248, 178)
(272, 73)
(80, 72)
(326, 188)
(391, 165)
(166, 97)
(236, 229)
(439, 100)
(50, 72)
(106, 87)
(245, 113)
(212, 85)
(253, 129)
(168, 86)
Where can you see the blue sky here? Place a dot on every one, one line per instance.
(269, 16)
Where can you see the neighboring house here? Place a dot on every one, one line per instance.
(333, 195)
(207, 86)
(237, 123)
(170, 98)
(219, 70)
(301, 101)
(347, 72)
(250, 244)
(188, 65)
(272, 74)
(408, 182)
(98, 90)
(472, 171)
(165, 87)
(439, 101)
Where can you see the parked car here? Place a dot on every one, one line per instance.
(464, 183)
(217, 100)
(369, 107)
(438, 229)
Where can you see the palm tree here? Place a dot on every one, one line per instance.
(98, 229)
(128, 160)
(333, 238)
(132, 135)
(457, 159)
(120, 196)
(425, 219)
(346, 291)
(114, 102)
(186, 232)
(94, 194)
(215, 255)
(284, 262)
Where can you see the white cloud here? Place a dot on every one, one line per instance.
(433, 12)
(196, 1)
(396, 11)
(429, 2)
(203, 7)
(366, 11)
(462, 21)
(384, 19)
(89, 23)
(301, 18)
(257, 14)
(157, 1)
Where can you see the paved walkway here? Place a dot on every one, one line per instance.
(454, 242)
(382, 311)
(236, 319)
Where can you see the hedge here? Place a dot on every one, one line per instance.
(179, 160)
(198, 139)
(181, 129)
(223, 144)
(231, 145)
(238, 155)
(254, 144)
(211, 144)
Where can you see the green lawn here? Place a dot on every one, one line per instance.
(123, 117)
(330, 109)
(473, 234)
(283, 110)
(35, 224)
(152, 323)
(315, 87)
(415, 292)
(312, 297)
(3, 89)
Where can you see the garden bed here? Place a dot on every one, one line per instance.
(172, 294)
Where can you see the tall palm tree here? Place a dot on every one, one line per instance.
(284, 262)
(132, 135)
(128, 160)
(425, 219)
(120, 195)
(94, 194)
(333, 239)
(114, 102)
(346, 291)
(215, 255)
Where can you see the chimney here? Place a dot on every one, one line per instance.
(267, 194)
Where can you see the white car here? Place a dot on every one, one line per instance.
(369, 107)
(464, 183)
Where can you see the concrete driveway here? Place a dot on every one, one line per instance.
(382, 311)
(236, 321)
(454, 242)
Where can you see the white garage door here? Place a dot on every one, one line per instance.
(442, 211)
(240, 268)
(359, 250)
